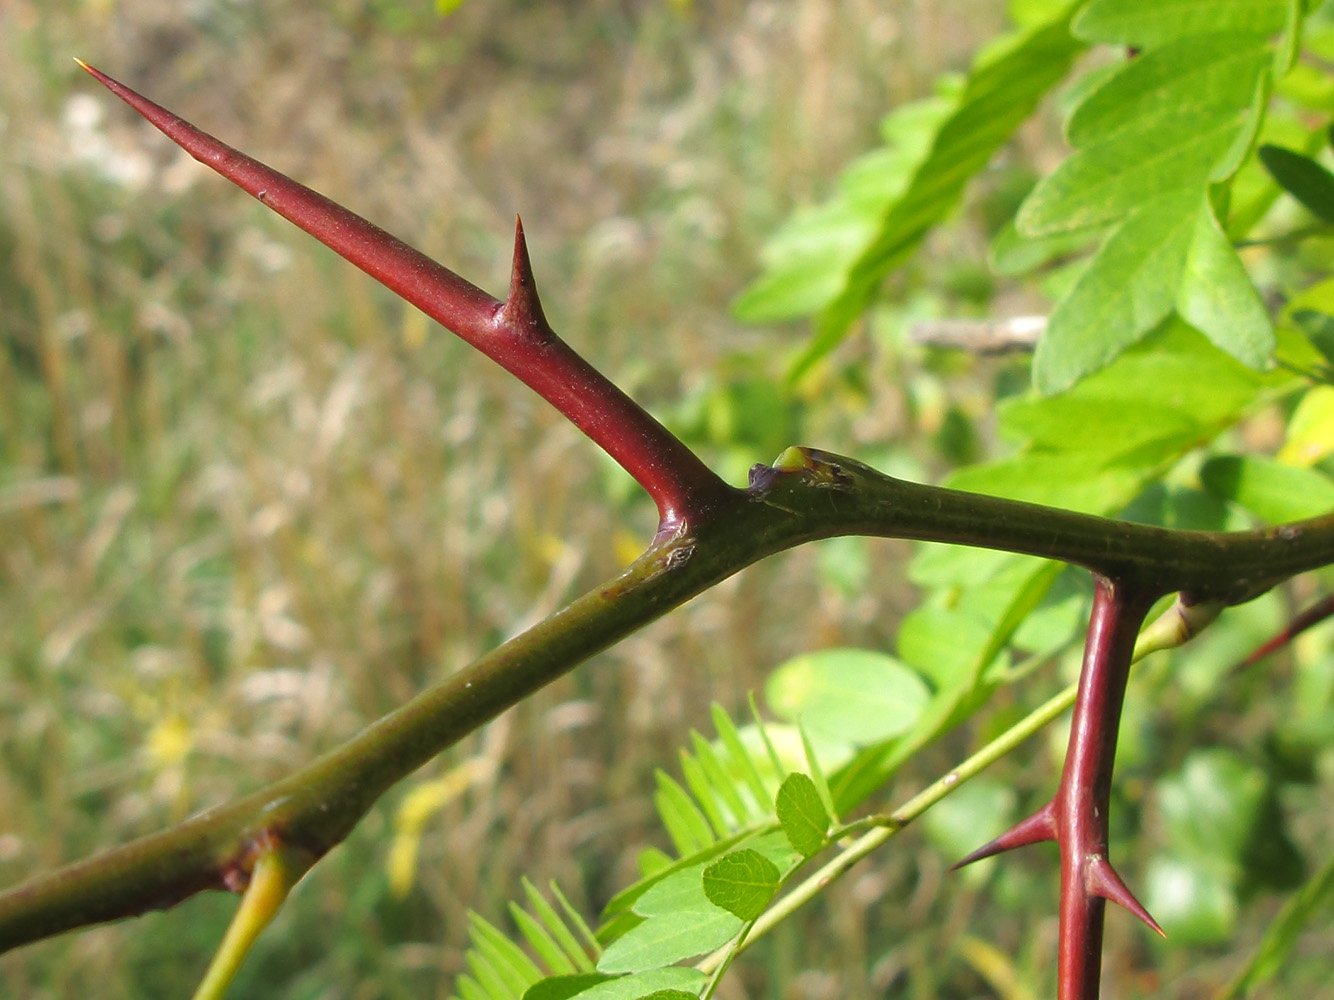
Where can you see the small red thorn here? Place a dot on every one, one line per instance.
(1312, 616)
(1101, 880)
(522, 306)
(1036, 829)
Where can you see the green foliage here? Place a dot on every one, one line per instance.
(1153, 395)
(742, 882)
(913, 195)
(802, 814)
(1214, 818)
(1279, 940)
(1152, 140)
(1303, 178)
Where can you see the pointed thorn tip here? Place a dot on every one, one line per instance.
(1039, 827)
(1105, 882)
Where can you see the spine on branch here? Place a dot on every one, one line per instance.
(513, 333)
(1077, 815)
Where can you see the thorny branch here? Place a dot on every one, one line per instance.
(707, 532)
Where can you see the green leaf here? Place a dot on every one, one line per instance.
(576, 921)
(725, 786)
(671, 983)
(704, 794)
(999, 96)
(813, 764)
(855, 695)
(541, 942)
(1218, 298)
(1303, 178)
(507, 959)
(1014, 255)
(1273, 492)
(564, 987)
(558, 928)
(1319, 329)
(1169, 253)
(738, 755)
(1174, 155)
(1129, 288)
(742, 882)
(1195, 72)
(682, 924)
(1282, 933)
(802, 814)
(1189, 901)
(620, 912)
(942, 642)
(1210, 808)
(807, 260)
(496, 983)
(1147, 23)
(686, 825)
(1310, 436)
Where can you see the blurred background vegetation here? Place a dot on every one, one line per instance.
(249, 501)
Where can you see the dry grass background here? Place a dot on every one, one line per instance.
(249, 502)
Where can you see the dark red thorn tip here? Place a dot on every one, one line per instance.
(522, 305)
(1101, 880)
(1312, 616)
(1036, 829)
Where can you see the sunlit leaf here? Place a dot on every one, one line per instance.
(742, 882)
(1211, 70)
(1190, 902)
(686, 825)
(802, 814)
(558, 928)
(502, 955)
(1169, 159)
(671, 983)
(854, 695)
(563, 987)
(1218, 298)
(1310, 436)
(1275, 493)
(1146, 23)
(1000, 94)
(1128, 289)
(739, 757)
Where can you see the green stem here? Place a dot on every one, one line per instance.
(810, 495)
(886, 827)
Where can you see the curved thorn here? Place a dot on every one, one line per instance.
(1101, 879)
(1039, 827)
